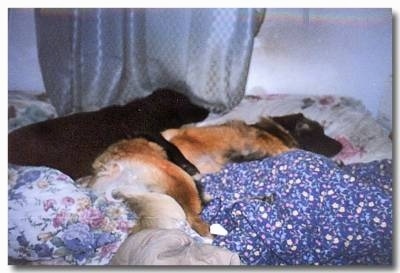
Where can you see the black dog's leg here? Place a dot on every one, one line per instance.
(173, 153)
(175, 156)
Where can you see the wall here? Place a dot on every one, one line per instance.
(325, 51)
(23, 68)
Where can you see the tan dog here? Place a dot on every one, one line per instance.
(209, 148)
(139, 166)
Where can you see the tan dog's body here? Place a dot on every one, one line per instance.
(139, 166)
(209, 148)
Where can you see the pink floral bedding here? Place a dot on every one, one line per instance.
(343, 118)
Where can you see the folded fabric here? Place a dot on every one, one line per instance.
(170, 247)
(302, 208)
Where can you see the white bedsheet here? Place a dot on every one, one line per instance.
(343, 118)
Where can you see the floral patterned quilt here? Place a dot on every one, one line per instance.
(50, 217)
(297, 208)
(301, 208)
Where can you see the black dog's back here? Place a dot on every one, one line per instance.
(71, 143)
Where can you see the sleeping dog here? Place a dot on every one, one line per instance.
(71, 143)
(135, 167)
(209, 148)
(138, 166)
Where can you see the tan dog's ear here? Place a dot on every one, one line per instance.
(169, 133)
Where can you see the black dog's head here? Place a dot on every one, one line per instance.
(309, 134)
(162, 109)
(177, 106)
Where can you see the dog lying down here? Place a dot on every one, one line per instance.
(135, 169)
(138, 166)
(209, 148)
(71, 143)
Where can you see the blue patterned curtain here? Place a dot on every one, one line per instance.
(91, 58)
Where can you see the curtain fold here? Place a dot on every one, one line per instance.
(91, 58)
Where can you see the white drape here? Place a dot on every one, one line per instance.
(91, 58)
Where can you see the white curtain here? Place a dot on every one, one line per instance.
(91, 58)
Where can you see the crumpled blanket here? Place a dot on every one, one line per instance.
(302, 208)
(170, 247)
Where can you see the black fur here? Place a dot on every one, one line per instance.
(309, 134)
(173, 153)
(275, 129)
(71, 143)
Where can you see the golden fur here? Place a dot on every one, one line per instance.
(139, 166)
(209, 148)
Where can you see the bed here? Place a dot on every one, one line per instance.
(321, 213)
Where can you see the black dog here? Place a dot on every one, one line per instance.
(71, 143)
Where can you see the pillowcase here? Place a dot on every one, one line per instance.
(51, 217)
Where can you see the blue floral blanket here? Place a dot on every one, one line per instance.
(303, 208)
(296, 208)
